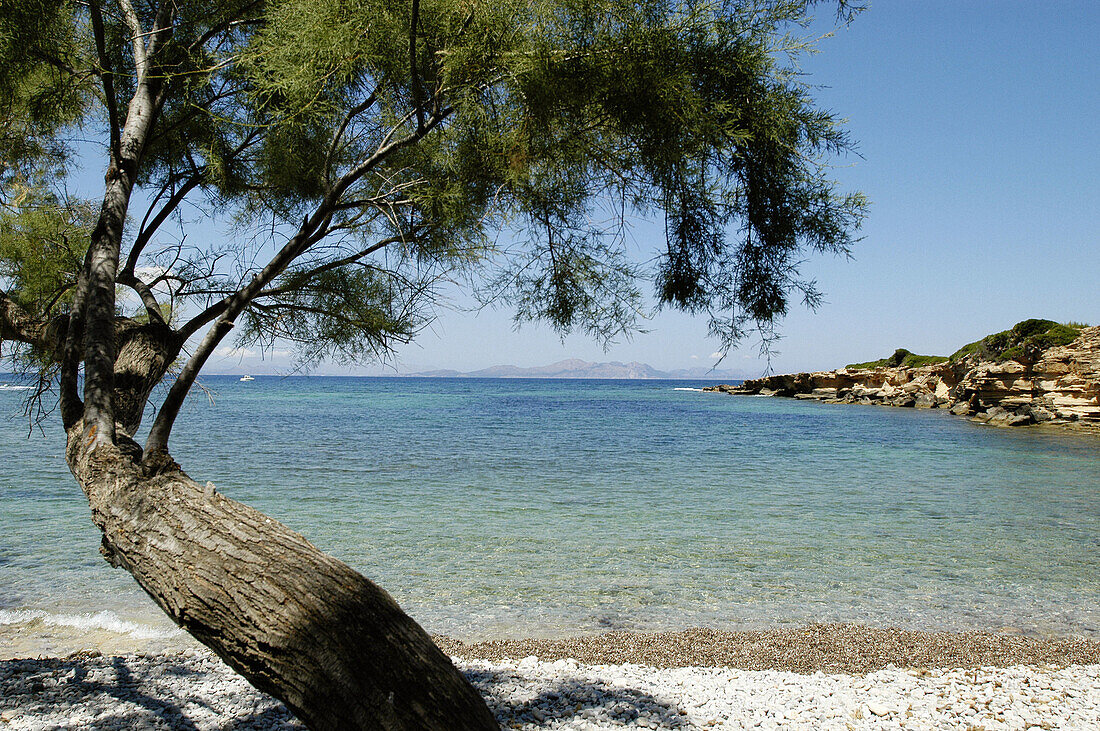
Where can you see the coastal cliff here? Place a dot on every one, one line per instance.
(1058, 383)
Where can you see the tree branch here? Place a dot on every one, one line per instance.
(136, 39)
(94, 319)
(328, 266)
(105, 74)
(352, 114)
(206, 107)
(311, 230)
(386, 149)
(329, 205)
(380, 202)
(157, 442)
(18, 325)
(147, 232)
(414, 79)
(58, 63)
(161, 26)
(203, 319)
(129, 279)
(226, 25)
(72, 407)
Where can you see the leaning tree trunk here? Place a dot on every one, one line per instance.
(295, 622)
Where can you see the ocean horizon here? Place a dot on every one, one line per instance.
(506, 508)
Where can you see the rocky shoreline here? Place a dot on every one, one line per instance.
(830, 648)
(1059, 385)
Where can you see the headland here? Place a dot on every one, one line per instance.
(1038, 372)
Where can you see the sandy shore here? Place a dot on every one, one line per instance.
(828, 648)
(820, 677)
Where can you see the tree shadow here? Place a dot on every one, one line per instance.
(130, 698)
(42, 688)
(563, 699)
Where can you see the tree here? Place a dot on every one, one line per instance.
(363, 152)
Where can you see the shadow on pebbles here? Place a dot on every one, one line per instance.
(820, 677)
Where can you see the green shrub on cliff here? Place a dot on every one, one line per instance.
(1027, 336)
(901, 358)
(915, 361)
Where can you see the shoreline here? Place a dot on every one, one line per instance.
(815, 677)
(829, 648)
(1058, 386)
(995, 417)
(845, 648)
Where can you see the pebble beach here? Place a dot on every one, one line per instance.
(816, 677)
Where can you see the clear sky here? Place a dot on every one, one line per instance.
(978, 124)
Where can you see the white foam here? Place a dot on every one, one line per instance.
(9, 387)
(103, 621)
(680, 388)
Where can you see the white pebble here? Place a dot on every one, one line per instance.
(194, 690)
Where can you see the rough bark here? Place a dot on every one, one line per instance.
(101, 264)
(19, 326)
(145, 351)
(99, 311)
(16, 324)
(295, 622)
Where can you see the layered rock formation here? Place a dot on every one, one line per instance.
(1058, 385)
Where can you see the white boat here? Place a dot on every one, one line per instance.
(247, 378)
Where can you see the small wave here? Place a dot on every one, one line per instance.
(682, 388)
(106, 621)
(9, 387)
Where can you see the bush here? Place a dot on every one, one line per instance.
(1015, 344)
(901, 358)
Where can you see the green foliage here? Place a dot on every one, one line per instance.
(565, 117)
(508, 142)
(1022, 341)
(42, 243)
(916, 361)
(38, 99)
(1027, 337)
(901, 358)
(348, 313)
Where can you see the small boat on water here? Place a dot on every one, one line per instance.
(247, 378)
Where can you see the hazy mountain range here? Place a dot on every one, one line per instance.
(575, 368)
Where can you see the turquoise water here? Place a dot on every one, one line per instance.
(494, 508)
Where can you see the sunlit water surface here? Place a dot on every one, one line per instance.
(508, 508)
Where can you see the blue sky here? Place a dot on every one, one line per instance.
(977, 124)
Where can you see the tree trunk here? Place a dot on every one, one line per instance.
(145, 351)
(295, 622)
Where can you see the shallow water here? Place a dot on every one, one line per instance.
(513, 508)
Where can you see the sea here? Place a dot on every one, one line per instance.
(508, 508)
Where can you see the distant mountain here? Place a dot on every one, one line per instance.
(576, 368)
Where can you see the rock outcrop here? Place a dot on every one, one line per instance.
(1058, 385)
